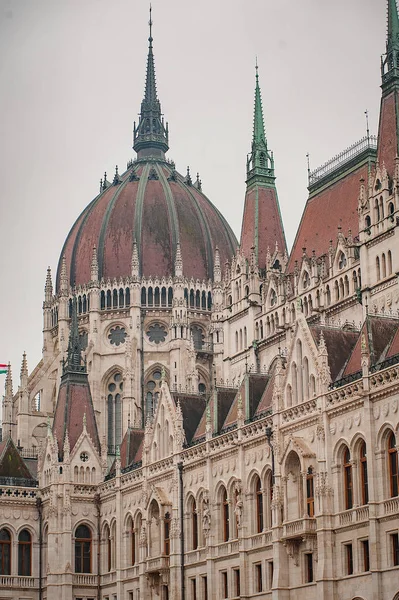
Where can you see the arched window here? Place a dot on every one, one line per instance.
(83, 549)
(245, 338)
(259, 505)
(25, 553)
(194, 524)
(170, 296)
(377, 265)
(115, 299)
(107, 535)
(121, 298)
(115, 389)
(348, 489)
(261, 330)
(328, 295)
(102, 300)
(225, 516)
(389, 262)
(132, 545)
(363, 474)
(167, 534)
(393, 465)
(143, 296)
(127, 297)
(336, 291)
(240, 339)
(5, 552)
(383, 266)
(156, 296)
(367, 222)
(310, 492)
(150, 297)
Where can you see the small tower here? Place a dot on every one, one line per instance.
(262, 224)
(48, 315)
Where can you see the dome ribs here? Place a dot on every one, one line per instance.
(158, 213)
(103, 232)
(173, 217)
(156, 244)
(138, 213)
(207, 234)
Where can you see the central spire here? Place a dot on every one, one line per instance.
(260, 162)
(150, 135)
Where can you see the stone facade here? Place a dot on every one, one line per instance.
(235, 437)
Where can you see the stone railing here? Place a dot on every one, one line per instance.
(260, 539)
(353, 515)
(107, 578)
(299, 527)
(300, 410)
(14, 581)
(84, 579)
(226, 548)
(131, 572)
(25, 493)
(157, 563)
(391, 506)
(344, 393)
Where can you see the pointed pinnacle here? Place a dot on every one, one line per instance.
(259, 127)
(49, 284)
(94, 265)
(63, 276)
(24, 366)
(8, 382)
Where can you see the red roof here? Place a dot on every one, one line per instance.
(332, 207)
(74, 402)
(262, 225)
(387, 134)
(157, 211)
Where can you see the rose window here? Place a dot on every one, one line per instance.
(117, 335)
(157, 333)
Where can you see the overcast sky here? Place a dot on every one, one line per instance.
(72, 77)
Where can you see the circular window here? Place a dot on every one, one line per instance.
(117, 335)
(84, 457)
(157, 333)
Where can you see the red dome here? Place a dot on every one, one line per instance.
(157, 207)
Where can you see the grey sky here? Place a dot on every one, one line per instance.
(72, 78)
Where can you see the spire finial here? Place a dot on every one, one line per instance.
(150, 24)
(150, 135)
(260, 161)
(24, 367)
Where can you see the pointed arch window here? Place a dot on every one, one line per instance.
(115, 390)
(83, 542)
(25, 553)
(167, 534)
(194, 525)
(225, 516)
(393, 465)
(364, 487)
(348, 487)
(5, 552)
(259, 505)
(310, 492)
(132, 545)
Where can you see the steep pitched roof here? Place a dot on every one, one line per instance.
(339, 343)
(11, 462)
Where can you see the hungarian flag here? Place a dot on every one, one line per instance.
(3, 369)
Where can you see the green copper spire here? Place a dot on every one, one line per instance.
(259, 126)
(390, 62)
(393, 24)
(260, 162)
(150, 137)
